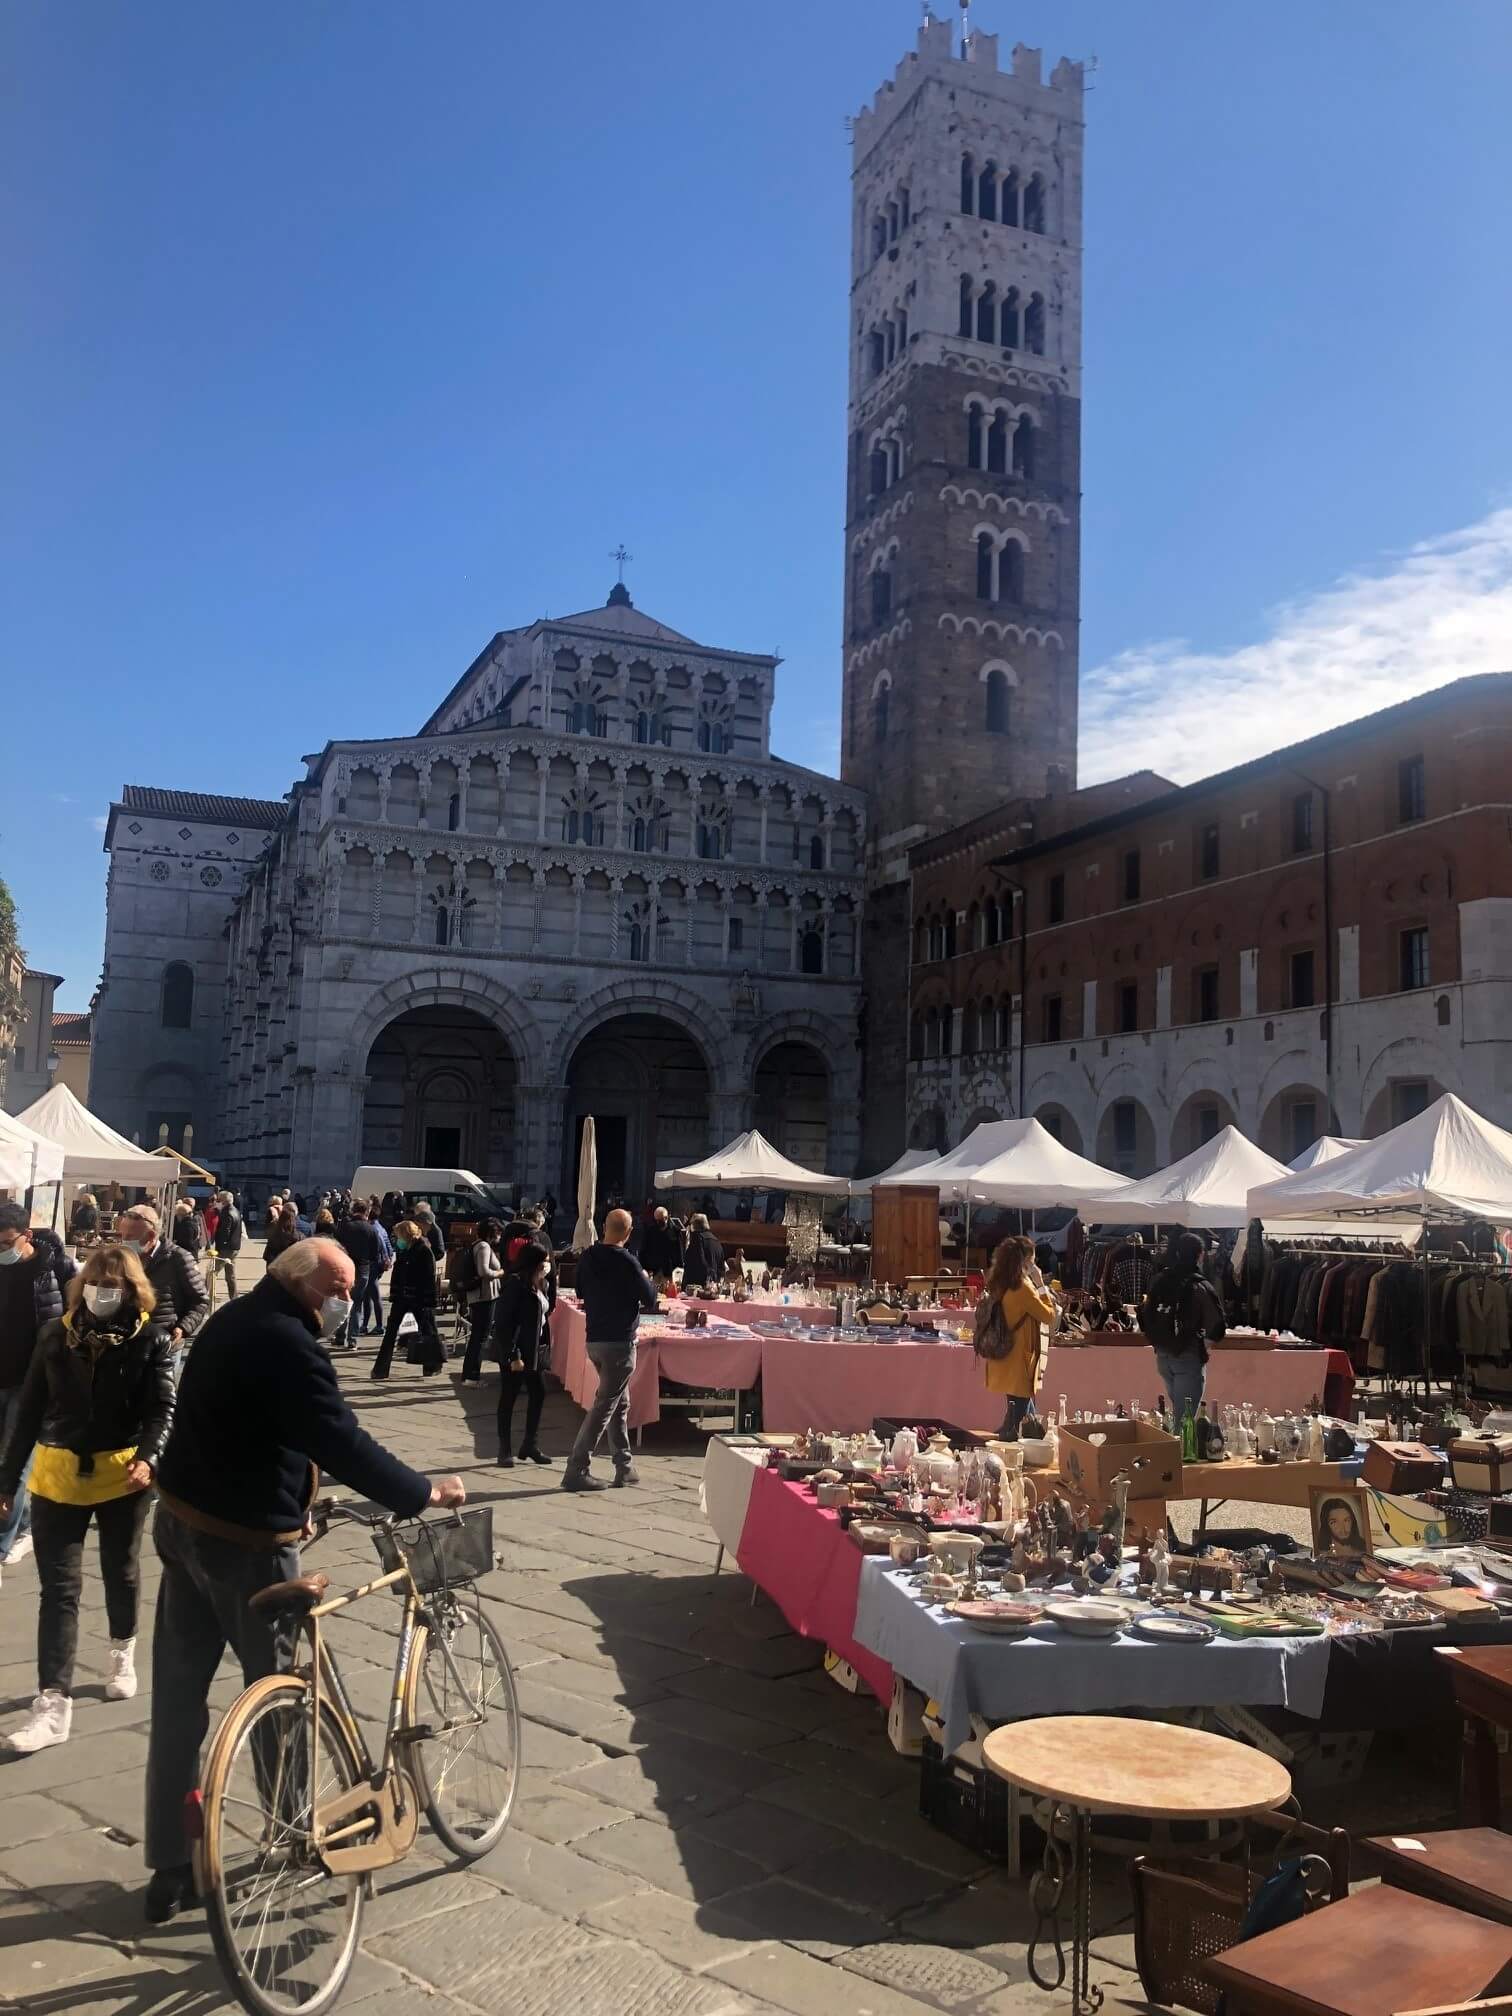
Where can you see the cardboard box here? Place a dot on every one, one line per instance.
(1150, 1456)
(1403, 1467)
(1482, 1463)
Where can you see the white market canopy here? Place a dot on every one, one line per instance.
(1210, 1187)
(952, 1173)
(26, 1159)
(749, 1162)
(1327, 1148)
(1444, 1165)
(895, 1172)
(93, 1152)
(1035, 1172)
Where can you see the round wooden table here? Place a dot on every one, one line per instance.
(1087, 1764)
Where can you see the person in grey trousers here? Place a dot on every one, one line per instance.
(613, 1288)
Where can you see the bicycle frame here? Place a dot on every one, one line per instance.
(388, 1798)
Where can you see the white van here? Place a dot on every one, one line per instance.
(453, 1194)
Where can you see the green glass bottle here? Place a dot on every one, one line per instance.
(1189, 1435)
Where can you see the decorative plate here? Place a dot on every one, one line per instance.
(1003, 1620)
(1087, 1618)
(1172, 1630)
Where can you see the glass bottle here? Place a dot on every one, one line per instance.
(1189, 1434)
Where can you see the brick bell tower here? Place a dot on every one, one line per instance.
(962, 538)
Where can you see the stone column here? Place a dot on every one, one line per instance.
(538, 904)
(577, 913)
(616, 891)
(620, 779)
(652, 948)
(419, 875)
(826, 920)
(726, 912)
(385, 776)
(543, 775)
(765, 796)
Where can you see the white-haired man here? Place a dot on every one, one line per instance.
(259, 1417)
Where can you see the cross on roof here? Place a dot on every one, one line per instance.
(621, 557)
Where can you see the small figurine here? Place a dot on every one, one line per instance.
(1160, 1565)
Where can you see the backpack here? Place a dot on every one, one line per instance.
(464, 1271)
(991, 1336)
(1165, 1316)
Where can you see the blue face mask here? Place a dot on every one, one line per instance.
(10, 1256)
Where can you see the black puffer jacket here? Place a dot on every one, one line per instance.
(183, 1301)
(93, 1387)
(30, 1298)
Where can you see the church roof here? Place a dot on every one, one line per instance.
(264, 812)
(623, 619)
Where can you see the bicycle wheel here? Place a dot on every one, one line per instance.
(285, 1929)
(468, 1769)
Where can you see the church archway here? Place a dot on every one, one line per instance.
(792, 1102)
(441, 1094)
(645, 1082)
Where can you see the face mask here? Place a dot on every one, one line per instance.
(10, 1256)
(137, 1246)
(334, 1311)
(402, 1244)
(102, 1301)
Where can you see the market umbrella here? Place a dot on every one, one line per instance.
(583, 1233)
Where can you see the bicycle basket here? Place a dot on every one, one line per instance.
(440, 1552)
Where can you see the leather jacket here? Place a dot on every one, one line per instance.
(90, 1388)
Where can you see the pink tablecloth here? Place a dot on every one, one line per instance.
(846, 1386)
(697, 1358)
(1284, 1381)
(803, 1560)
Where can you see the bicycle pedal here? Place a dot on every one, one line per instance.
(418, 1732)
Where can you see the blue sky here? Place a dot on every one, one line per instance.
(338, 336)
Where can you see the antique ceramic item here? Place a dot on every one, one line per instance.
(905, 1447)
(1003, 1620)
(832, 1496)
(907, 1548)
(955, 1551)
(1088, 1618)
(1169, 1630)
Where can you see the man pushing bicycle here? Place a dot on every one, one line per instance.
(259, 1418)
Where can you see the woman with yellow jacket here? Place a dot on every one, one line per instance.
(1015, 1284)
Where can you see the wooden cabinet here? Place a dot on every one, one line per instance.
(905, 1231)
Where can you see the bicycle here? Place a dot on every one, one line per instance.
(294, 1816)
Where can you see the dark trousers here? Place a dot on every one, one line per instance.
(610, 1410)
(432, 1352)
(479, 1317)
(201, 1609)
(370, 1307)
(510, 1384)
(1013, 1414)
(345, 1337)
(58, 1533)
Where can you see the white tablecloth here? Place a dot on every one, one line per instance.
(1051, 1673)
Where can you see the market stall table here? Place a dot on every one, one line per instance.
(1113, 1364)
(1468, 1867)
(1482, 1679)
(725, 1359)
(1102, 1764)
(845, 1385)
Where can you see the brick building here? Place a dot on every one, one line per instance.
(963, 486)
(1317, 941)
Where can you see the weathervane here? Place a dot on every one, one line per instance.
(621, 558)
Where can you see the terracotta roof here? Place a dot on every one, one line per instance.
(262, 812)
(70, 1028)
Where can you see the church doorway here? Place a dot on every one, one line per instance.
(792, 1102)
(441, 1095)
(645, 1082)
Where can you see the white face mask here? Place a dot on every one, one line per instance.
(102, 1301)
(334, 1311)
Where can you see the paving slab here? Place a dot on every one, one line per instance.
(678, 1864)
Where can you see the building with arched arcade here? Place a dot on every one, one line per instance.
(584, 886)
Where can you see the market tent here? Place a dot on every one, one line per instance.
(749, 1162)
(1210, 1187)
(1445, 1165)
(26, 1158)
(195, 1172)
(1038, 1173)
(952, 1173)
(895, 1172)
(1327, 1148)
(93, 1152)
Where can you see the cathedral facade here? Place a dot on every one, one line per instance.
(583, 886)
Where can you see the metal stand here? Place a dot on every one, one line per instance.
(1071, 1865)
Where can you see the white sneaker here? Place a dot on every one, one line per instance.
(122, 1683)
(51, 1720)
(20, 1548)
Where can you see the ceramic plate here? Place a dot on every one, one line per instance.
(1003, 1620)
(1087, 1618)
(1172, 1630)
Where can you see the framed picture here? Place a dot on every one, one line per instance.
(1340, 1515)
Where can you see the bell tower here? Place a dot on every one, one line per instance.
(962, 538)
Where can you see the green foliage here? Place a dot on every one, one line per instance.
(10, 995)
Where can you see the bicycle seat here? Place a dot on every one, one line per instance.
(299, 1595)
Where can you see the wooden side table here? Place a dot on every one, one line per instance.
(1482, 1677)
(1377, 1951)
(1100, 1764)
(1468, 1867)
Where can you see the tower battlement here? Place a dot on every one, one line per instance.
(936, 56)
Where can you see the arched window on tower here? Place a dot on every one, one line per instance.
(986, 314)
(177, 1004)
(966, 311)
(902, 330)
(811, 952)
(881, 595)
(931, 1032)
(1034, 204)
(879, 714)
(997, 702)
(974, 445)
(454, 812)
(1010, 320)
(985, 586)
(816, 851)
(997, 445)
(878, 353)
(877, 475)
(879, 235)
(947, 1031)
(648, 726)
(968, 184)
(1009, 205)
(1023, 446)
(1034, 325)
(1011, 572)
(987, 192)
(443, 924)
(990, 917)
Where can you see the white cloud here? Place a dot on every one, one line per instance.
(1438, 612)
(100, 822)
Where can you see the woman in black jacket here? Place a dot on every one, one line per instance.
(703, 1263)
(97, 1404)
(522, 1345)
(412, 1292)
